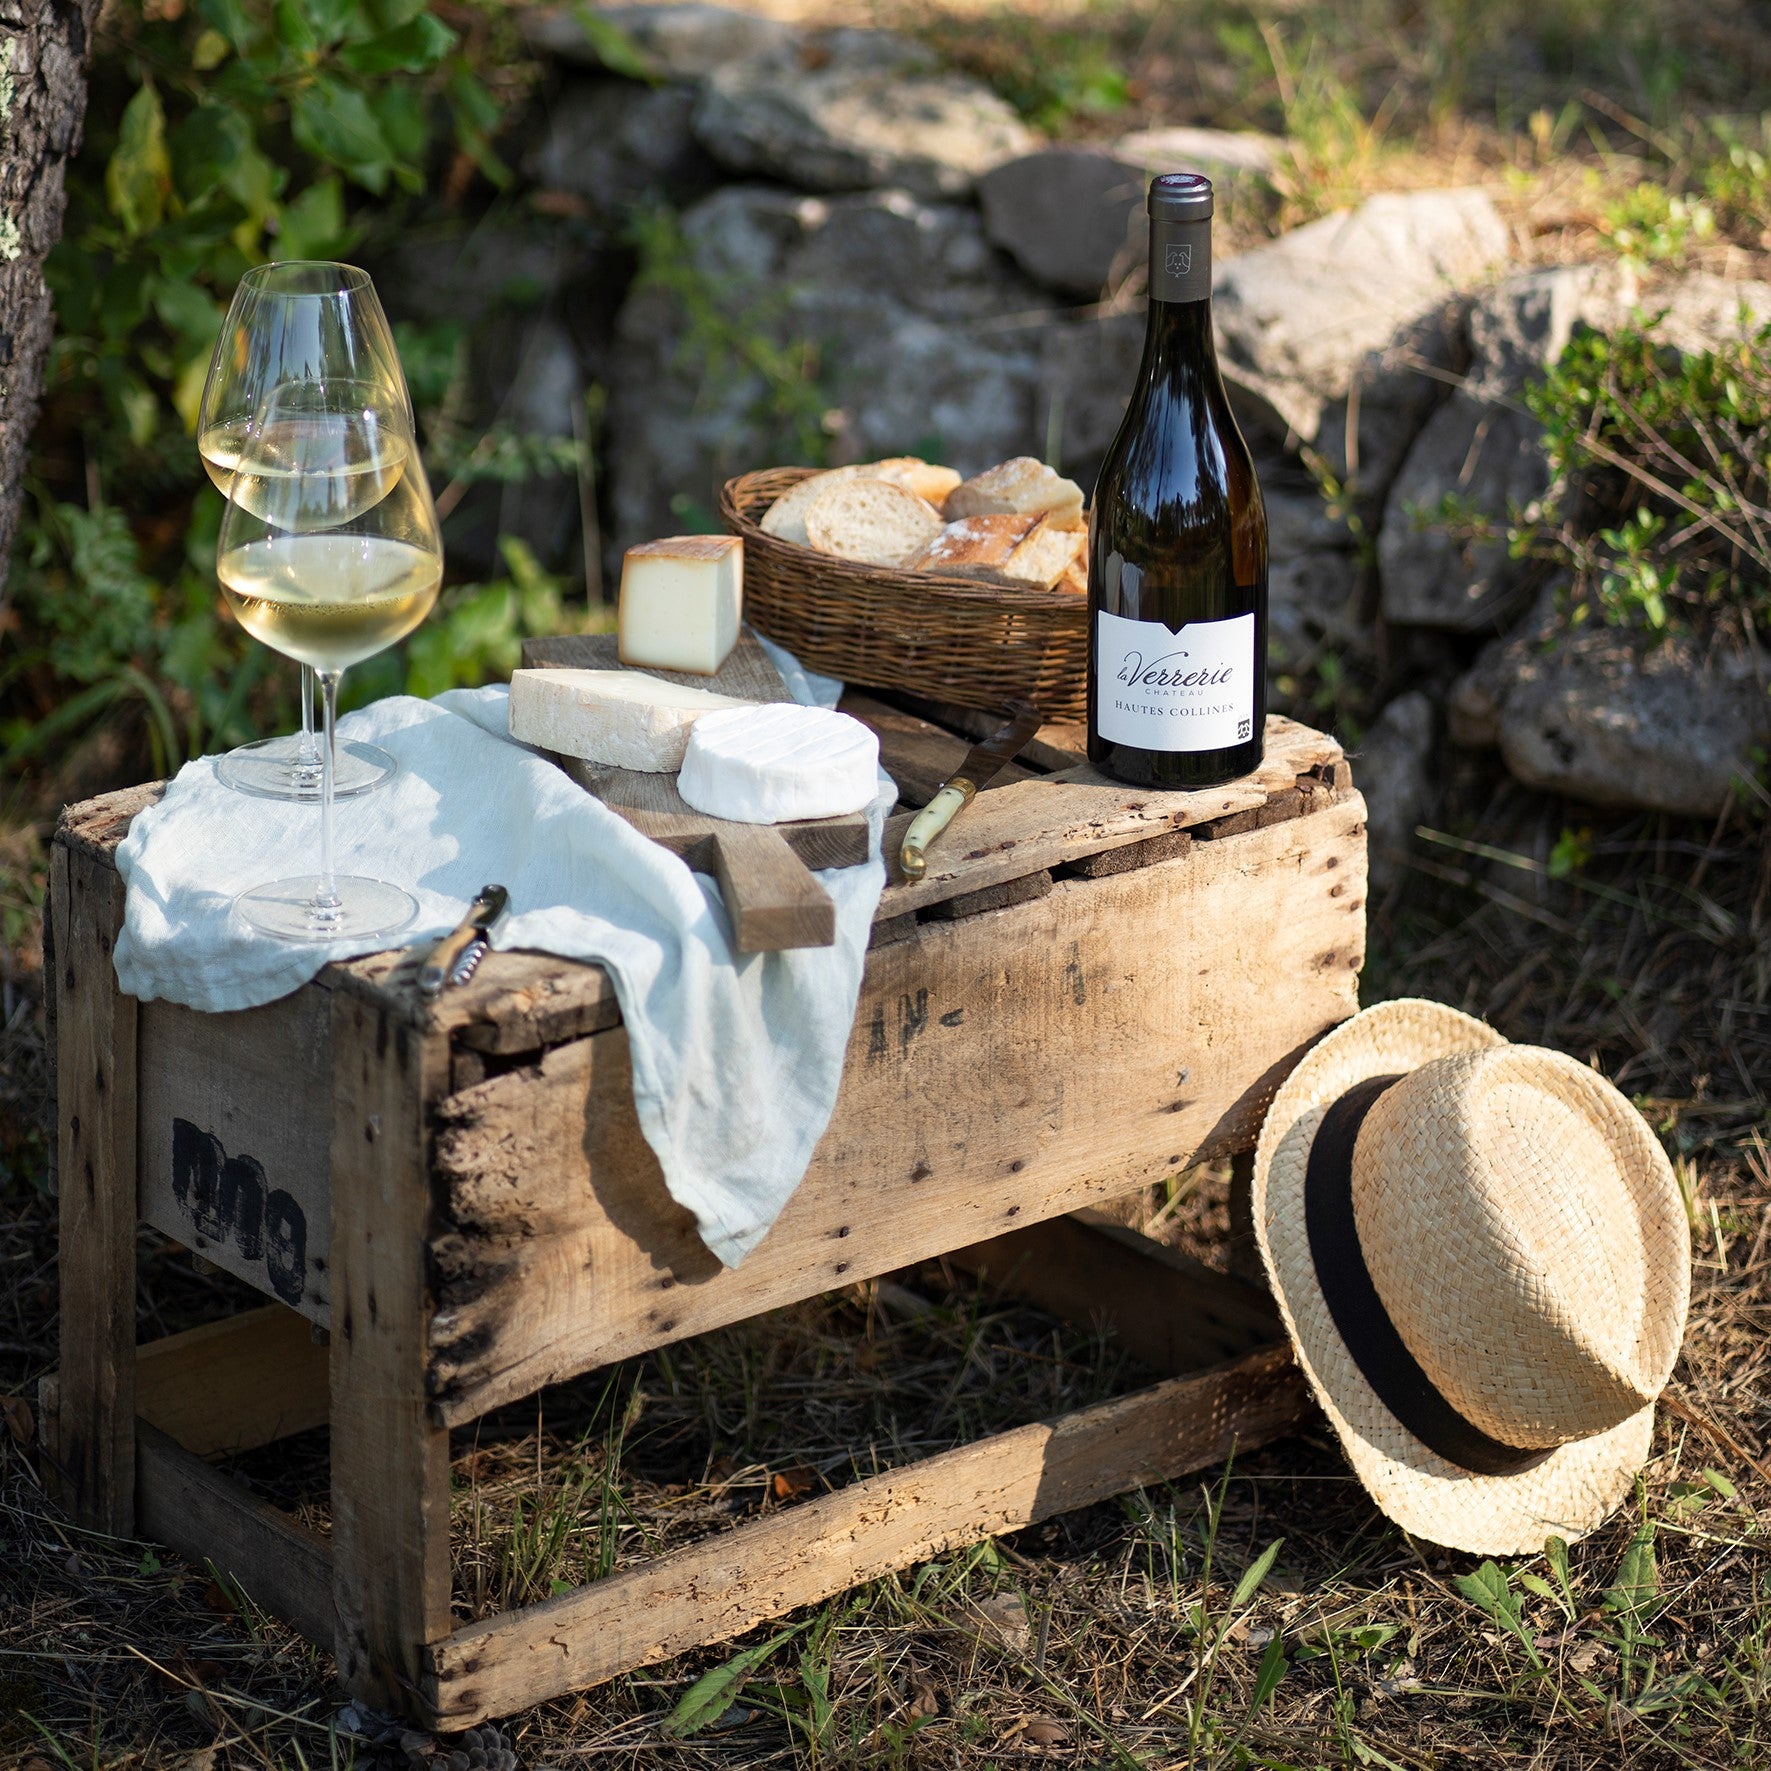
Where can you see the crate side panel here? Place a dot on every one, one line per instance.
(1004, 1068)
(235, 1132)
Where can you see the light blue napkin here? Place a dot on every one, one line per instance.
(737, 1058)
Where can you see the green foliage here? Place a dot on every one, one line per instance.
(741, 344)
(1649, 224)
(220, 134)
(1668, 455)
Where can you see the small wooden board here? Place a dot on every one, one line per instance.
(763, 869)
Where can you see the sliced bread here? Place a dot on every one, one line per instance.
(870, 520)
(1045, 554)
(974, 547)
(1075, 579)
(786, 517)
(1021, 485)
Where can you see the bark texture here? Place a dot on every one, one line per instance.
(44, 48)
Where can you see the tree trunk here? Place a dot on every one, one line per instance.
(44, 48)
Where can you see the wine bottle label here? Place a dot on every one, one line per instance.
(1159, 688)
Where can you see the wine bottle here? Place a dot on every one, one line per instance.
(1178, 541)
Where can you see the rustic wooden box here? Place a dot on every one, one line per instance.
(1092, 988)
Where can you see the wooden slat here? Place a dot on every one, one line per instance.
(1002, 1070)
(803, 1554)
(234, 1130)
(390, 1465)
(208, 1518)
(1169, 1310)
(95, 1104)
(1059, 744)
(232, 1385)
(1062, 817)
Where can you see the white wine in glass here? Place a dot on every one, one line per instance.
(314, 326)
(328, 578)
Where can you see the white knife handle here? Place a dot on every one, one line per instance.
(930, 822)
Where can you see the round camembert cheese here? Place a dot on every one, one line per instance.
(779, 763)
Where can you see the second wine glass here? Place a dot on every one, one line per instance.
(329, 577)
(316, 328)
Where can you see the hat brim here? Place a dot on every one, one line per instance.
(1571, 1489)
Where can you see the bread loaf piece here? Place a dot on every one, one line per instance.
(870, 520)
(1023, 486)
(1075, 579)
(923, 478)
(974, 547)
(786, 517)
(1045, 554)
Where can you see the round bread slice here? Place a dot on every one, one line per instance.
(924, 478)
(870, 520)
(786, 517)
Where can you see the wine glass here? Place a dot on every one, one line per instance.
(328, 576)
(309, 323)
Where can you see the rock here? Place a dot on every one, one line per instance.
(1354, 306)
(857, 110)
(1602, 715)
(1071, 218)
(1393, 770)
(1705, 312)
(1489, 461)
(916, 336)
(615, 143)
(1481, 449)
(1219, 153)
(1312, 607)
(1089, 365)
(673, 42)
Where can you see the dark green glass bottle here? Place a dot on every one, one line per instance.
(1178, 541)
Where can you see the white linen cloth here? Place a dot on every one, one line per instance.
(736, 1057)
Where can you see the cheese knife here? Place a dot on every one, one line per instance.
(454, 958)
(983, 763)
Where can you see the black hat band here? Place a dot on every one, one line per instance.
(1363, 1323)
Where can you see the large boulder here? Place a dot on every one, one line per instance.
(1069, 217)
(1313, 580)
(614, 143)
(1073, 218)
(670, 42)
(860, 325)
(857, 110)
(1604, 715)
(1350, 311)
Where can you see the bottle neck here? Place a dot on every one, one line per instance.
(1178, 342)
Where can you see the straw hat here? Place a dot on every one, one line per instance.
(1481, 1255)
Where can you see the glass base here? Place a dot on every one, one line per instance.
(286, 909)
(272, 768)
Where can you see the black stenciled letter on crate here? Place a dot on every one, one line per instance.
(226, 1199)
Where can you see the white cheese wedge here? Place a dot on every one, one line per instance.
(681, 602)
(619, 717)
(776, 763)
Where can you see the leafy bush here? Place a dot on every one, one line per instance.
(1670, 459)
(221, 133)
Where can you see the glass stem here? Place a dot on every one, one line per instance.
(327, 906)
(310, 750)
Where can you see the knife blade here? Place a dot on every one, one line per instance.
(482, 914)
(983, 763)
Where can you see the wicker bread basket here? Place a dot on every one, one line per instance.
(944, 638)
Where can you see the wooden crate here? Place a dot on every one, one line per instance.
(451, 1205)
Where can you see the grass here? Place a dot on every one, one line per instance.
(1265, 1614)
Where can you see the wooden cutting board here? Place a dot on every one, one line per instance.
(763, 869)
